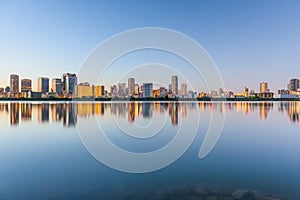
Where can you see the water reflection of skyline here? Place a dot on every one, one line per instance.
(67, 113)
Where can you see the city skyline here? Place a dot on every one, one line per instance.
(45, 39)
(19, 87)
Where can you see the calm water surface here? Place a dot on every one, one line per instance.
(42, 156)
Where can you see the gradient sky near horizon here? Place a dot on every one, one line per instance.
(250, 41)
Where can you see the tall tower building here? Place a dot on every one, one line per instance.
(56, 85)
(43, 84)
(184, 88)
(147, 89)
(68, 84)
(14, 85)
(26, 85)
(264, 87)
(293, 85)
(174, 84)
(122, 89)
(131, 85)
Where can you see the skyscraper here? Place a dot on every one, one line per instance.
(264, 87)
(147, 89)
(174, 84)
(26, 85)
(122, 89)
(14, 85)
(293, 85)
(184, 89)
(56, 85)
(68, 84)
(43, 84)
(131, 86)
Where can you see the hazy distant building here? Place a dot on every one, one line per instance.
(14, 85)
(114, 90)
(26, 85)
(147, 89)
(293, 85)
(184, 89)
(56, 85)
(43, 84)
(136, 89)
(174, 84)
(68, 84)
(122, 89)
(264, 87)
(131, 85)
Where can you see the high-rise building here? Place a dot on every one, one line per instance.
(98, 91)
(147, 89)
(56, 85)
(43, 84)
(26, 85)
(68, 84)
(131, 86)
(264, 87)
(184, 89)
(293, 85)
(174, 84)
(122, 89)
(114, 90)
(136, 89)
(14, 85)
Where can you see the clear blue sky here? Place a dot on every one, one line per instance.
(250, 41)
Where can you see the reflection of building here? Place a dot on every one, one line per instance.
(264, 108)
(43, 84)
(173, 112)
(14, 86)
(69, 112)
(56, 85)
(68, 84)
(174, 84)
(26, 111)
(131, 86)
(14, 114)
(133, 111)
(146, 110)
(43, 112)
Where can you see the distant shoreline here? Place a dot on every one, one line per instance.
(153, 99)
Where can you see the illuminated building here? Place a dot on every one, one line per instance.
(14, 86)
(174, 85)
(131, 87)
(56, 85)
(26, 85)
(68, 84)
(184, 89)
(43, 84)
(264, 87)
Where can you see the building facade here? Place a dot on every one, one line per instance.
(14, 85)
(68, 84)
(174, 85)
(147, 90)
(43, 84)
(26, 85)
(56, 85)
(131, 86)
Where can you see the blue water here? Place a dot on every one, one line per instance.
(42, 155)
